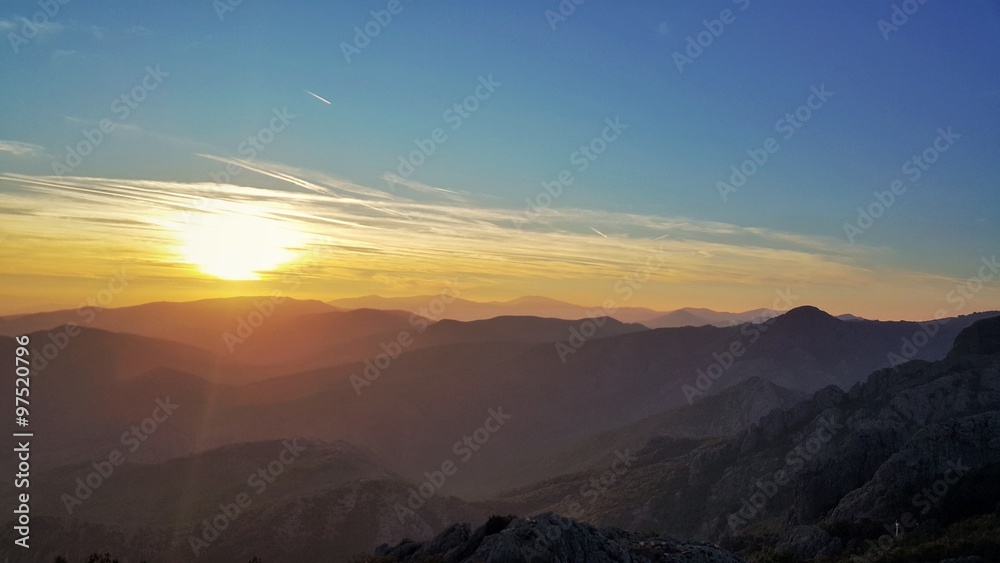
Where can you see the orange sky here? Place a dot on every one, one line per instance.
(312, 236)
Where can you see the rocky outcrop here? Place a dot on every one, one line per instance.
(804, 478)
(551, 538)
(981, 339)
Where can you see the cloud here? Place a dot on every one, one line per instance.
(28, 26)
(355, 239)
(66, 55)
(663, 30)
(367, 234)
(18, 25)
(18, 148)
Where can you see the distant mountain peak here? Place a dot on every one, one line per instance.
(805, 317)
(850, 317)
(808, 312)
(537, 300)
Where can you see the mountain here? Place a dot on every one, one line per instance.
(722, 318)
(676, 319)
(403, 408)
(549, 537)
(692, 316)
(850, 317)
(270, 339)
(730, 411)
(199, 323)
(828, 476)
(604, 428)
(464, 310)
(324, 501)
(534, 306)
(519, 329)
(221, 326)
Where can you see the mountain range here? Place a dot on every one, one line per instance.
(506, 415)
(465, 310)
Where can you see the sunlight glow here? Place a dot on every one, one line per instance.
(236, 244)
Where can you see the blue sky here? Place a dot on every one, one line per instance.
(557, 87)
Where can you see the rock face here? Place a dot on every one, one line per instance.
(923, 439)
(980, 339)
(551, 538)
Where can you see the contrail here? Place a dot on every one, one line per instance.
(599, 232)
(318, 97)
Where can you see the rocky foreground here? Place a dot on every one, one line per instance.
(549, 538)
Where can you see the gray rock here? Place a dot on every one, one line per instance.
(806, 542)
(552, 538)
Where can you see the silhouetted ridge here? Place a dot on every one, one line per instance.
(980, 339)
(806, 317)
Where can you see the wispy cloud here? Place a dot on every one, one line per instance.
(18, 148)
(375, 235)
(374, 241)
(17, 23)
(66, 55)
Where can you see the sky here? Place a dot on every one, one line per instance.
(321, 151)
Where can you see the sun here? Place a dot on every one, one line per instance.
(237, 243)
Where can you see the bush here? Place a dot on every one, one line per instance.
(497, 523)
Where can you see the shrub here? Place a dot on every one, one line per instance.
(497, 523)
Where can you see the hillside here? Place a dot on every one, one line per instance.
(848, 464)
